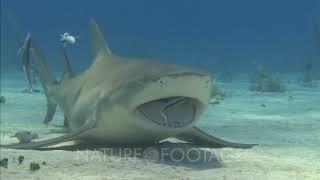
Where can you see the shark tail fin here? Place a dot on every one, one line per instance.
(67, 71)
(47, 81)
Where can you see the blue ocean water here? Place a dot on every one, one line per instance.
(231, 36)
(213, 35)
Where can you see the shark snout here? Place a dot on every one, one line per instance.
(187, 84)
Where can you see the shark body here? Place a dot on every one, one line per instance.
(120, 100)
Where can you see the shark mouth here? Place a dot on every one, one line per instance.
(172, 112)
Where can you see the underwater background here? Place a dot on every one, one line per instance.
(213, 35)
(264, 57)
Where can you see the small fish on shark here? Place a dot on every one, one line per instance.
(26, 63)
(125, 101)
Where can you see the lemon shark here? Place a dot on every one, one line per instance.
(120, 101)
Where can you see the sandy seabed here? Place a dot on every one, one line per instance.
(285, 125)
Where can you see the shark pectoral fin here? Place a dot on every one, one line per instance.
(68, 137)
(198, 137)
(40, 144)
(51, 109)
(89, 124)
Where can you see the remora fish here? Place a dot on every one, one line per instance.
(120, 100)
(26, 64)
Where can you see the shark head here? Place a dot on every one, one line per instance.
(169, 97)
(153, 98)
(147, 97)
(144, 95)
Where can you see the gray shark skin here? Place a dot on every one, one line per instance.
(126, 101)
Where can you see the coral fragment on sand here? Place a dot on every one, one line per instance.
(34, 166)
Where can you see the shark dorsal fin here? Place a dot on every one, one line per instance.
(67, 71)
(98, 45)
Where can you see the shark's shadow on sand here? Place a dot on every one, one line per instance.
(169, 153)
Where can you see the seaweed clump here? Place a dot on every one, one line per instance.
(262, 81)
